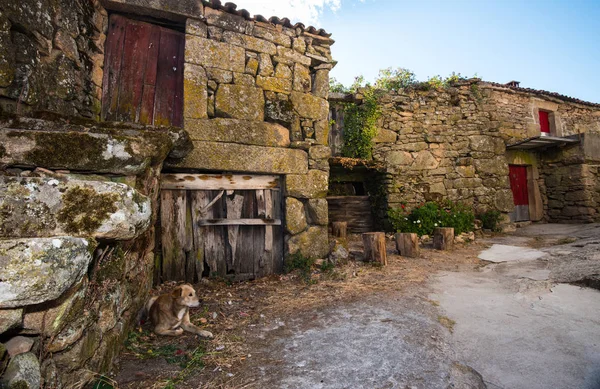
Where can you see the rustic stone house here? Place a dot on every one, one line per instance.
(530, 154)
(144, 141)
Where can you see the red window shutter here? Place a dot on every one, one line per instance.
(544, 122)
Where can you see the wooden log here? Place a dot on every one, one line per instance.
(407, 244)
(443, 238)
(339, 229)
(374, 245)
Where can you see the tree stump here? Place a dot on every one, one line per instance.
(407, 244)
(374, 243)
(339, 229)
(443, 238)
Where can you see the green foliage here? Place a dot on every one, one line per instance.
(337, 87)
(490, 220)
(394, 79)
(424, 219)
(360, 128)
(301, 263)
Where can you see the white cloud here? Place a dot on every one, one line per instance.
(305, 11)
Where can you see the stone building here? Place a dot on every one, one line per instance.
(144, 141)
(530, 154)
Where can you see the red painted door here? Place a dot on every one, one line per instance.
(518, 184)
(143, 73)
(544, 122)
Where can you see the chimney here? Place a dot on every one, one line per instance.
(514, 84)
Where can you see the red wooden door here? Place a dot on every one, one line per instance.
(143, 73)
(544, 122)
(518, 184)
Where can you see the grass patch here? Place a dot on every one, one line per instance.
(303, 264)
(195, 362)
(447, 322)
(139, 343)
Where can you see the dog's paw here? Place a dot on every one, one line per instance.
(206, 334)
(179, 331)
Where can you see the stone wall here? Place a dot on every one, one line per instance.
(442, 144)
(51, 56)
(450, 143)
(78, 204)
(255, 101)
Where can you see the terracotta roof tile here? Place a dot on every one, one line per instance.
(285, 22)
(545, 93)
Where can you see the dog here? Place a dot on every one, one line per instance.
(170, 312)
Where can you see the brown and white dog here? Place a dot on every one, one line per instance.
(170, 314)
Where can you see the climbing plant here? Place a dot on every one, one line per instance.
(360, 125)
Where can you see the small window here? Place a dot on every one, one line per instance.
(545, 122)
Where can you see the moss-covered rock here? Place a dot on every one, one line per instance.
(240, 102)
(309, 106)
(241, 158)
(295, 216)
(83, 145)
(318, 211)
(312, 243)
(23, 372)
(36, 270)
(38, 207)
(239, 131)
(10, 318)
(308, 186)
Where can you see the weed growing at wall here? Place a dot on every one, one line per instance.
(424, 219)
(490, 220)
(360, 126)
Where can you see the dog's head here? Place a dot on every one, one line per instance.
(185, 295)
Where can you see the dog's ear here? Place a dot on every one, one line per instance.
(176, 293)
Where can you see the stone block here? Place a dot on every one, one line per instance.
(292, 56)
(213, 54)
(62, 206)
(318, 212)
(244, 79)
(486, 143)
(280, 111)
(320, 86)
(10, 318)
(252, 66)
(240, 102)
(158, 8)
(272, 35)
(225, 20)
(250, 42)
(503, 200)
(308, 186)
(309, 106)
(319, 152)
(424, 160)
(385, 136)
(265, 65)
(242, 158)
(196, 27)
(312, 243)
(195, 92)
(283, 71)
(220, 76)
(117, 149)
(299, 45)
(302, 80)
(36, 270)
(23, 372)
(322, 132)
(295, 216)
(274, 84)
(399, 158)
(239, 131)
(18, 345)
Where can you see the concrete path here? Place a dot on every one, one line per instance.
(517, 327)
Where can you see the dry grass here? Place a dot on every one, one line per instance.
(230, 309)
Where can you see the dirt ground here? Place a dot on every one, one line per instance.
(416, 323)
(244, 317)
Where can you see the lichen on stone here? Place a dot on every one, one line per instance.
(84, 209)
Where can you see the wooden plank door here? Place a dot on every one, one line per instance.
(220, 225)
(143, 73)
(518, 185)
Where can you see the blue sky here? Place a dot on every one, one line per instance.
(552, 45)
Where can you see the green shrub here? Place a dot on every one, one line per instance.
(424, 219)
(490, 220)
(360, 126)
(301, 263)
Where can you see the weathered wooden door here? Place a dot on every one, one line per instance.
(220, 225)
(518, 185)
(143, 73)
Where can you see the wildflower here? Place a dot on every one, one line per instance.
(435, 224)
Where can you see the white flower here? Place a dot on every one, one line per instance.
(418, 221)
(435, 224)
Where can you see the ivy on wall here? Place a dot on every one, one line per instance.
(360, 126)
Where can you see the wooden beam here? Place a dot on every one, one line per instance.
(218, 182)
(239, 222)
